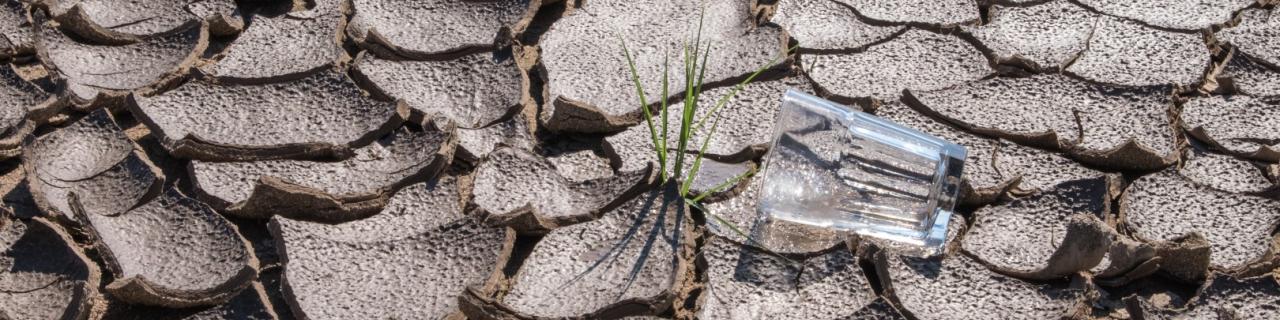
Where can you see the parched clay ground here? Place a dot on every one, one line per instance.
(488, 159)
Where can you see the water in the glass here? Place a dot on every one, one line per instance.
(834, 167)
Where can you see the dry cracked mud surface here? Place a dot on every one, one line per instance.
(489, 159)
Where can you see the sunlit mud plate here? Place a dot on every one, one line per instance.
(835, 167)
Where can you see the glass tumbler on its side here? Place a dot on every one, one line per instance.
(834, 167)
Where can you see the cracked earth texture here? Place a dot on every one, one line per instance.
(487, 159)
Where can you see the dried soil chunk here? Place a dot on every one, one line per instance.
(90, 162)
(250, 304)
(1256, 35)
(1252, 78)
(1245, 298)
(475, 144)
(1045, 236)
(1048, 36)
(473, 91)
(280, 48)
(1123, 128)
(1225, 173)
(1221, 297)
(748, 283)
(944, 12)
(118, 69)
(625, 263)
(423, 28)
(956, 287)
(370, 176)
(1166, 206)
(1240, 125)
(580, 165)
(43, 274)
(828, 25)
(778, 236)
(323, 115)
(15, 31)
(588, 82)
(516, 184)
(1177, 14)
(174, 252)
(408, 262)
(21, 101)
(1126, 53)
(917, 59)
(117, 21)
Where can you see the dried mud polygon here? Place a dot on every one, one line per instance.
(630, 261)
(916, 59)
(1127, 53)
(582, 46)
(474, 90)
(412, 260)
(1166, 206)
(323, 115)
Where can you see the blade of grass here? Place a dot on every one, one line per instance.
(644, 105)
(662, 148)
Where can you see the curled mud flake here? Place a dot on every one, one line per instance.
(583, 46)
(1225, 173)
(944, 12)
(281, 48)
(749, 283)
(173, 252)
(1178, 14)
(1248, 76)
(474, 90)
(630, 261)
(1166, 206)
(422, 29)
(326, 191)
(1123, 128)
(15, 30)
(89, 165)
(1126, 260)
(43, 273)
(524, 190)
(251, 303)
(1223, 296)
(1045, 236)
(123, 22)
(1126, 53)
(1047, 36)
(23, 107)
(324, 115)
(778, 236)
(410, 261)
(476, 144)
(580, 165)
(1240, 125)
(828, 25)
(1256, 35)
(917, 60)
(115, 70)
(955, 286)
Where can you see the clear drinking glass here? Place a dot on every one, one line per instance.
(834, 167)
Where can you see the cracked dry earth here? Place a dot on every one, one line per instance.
(486, 159)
